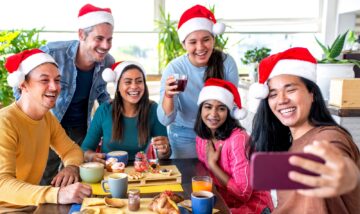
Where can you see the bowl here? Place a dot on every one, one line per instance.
(92, 172)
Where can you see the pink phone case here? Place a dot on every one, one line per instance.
(269, 170)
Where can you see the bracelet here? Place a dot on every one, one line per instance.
(169, 96)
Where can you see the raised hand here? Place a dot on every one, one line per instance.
(338, 175)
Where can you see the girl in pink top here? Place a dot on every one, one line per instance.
(220, 145)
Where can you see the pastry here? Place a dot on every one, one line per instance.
(164, 205)
(118, 167)
(136, 175)
(109, 162)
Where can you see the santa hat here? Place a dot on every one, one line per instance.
(112, 75)
(294, 61)
(225, 92)
(198, 18)
(90, 15)
(20, 64)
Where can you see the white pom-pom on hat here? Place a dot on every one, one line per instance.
(259, 91)
(218, 28)
(239, 114)
(108, 75)
(15, 78)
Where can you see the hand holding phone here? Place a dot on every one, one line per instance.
(270, 170)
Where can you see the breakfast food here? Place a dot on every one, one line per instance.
(135, 175)
(118, 167)
(165, 172)
(114, 202)
(109, 162)
(166, 202)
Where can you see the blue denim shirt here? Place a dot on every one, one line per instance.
(64, 53)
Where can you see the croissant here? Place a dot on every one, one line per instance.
(164, 205)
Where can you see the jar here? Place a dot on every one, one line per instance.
(141, 164)
(134, 199)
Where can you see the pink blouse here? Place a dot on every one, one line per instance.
(238, 194)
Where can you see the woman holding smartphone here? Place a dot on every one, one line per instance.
(196, 30)
(220, 145)
(292, 116)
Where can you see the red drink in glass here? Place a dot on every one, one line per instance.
(181, 82)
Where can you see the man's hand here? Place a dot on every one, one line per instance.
(67, 176)
(74, 193)
(339, 174)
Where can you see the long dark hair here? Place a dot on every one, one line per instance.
(215, 66)
(143, 108)
(269, 134)
(222, 133)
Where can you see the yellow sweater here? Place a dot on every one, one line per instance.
(24, 148)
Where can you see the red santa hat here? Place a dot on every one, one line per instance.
(225, 92)
(90, 15)
(20, 64)
(113, 74)
(198, 18)
(294, 61)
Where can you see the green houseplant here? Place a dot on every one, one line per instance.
(11, 42)
(331, 67)
(252, 58)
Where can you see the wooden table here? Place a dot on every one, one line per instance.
(187, 167)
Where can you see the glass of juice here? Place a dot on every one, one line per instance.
(181, 81)
(201, 183)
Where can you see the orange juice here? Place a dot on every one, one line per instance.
(201, 186)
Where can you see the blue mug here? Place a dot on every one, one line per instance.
(202, 202)
(121, 156)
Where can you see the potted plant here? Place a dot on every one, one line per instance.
(252, 58)
(330, 67)
(11, 42)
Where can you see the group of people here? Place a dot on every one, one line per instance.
(43, 147)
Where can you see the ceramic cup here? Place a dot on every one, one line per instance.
(121, 156)
(202, 202)
(117, 185)
(92, 172)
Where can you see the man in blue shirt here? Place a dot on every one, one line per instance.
(81, 63)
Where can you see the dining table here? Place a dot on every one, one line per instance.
(187, 167)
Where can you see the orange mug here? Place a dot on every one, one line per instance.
(201, 183)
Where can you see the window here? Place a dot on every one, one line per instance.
(277, 24)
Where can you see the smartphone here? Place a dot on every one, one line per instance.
(270, 170)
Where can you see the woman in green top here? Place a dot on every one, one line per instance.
(129, 123)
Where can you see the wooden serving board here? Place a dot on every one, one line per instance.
(150, 178)
(103, 209)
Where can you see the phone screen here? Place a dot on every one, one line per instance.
(270, 170)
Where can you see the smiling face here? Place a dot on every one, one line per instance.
(213, 114)
(96, 43)
(290, 101)
(42, 86)
(199, 45)
(131, 86)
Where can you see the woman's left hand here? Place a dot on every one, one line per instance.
(339, 174)
(161, 143)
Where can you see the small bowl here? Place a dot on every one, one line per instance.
(92, 172)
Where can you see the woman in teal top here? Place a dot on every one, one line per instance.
(130, 122)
